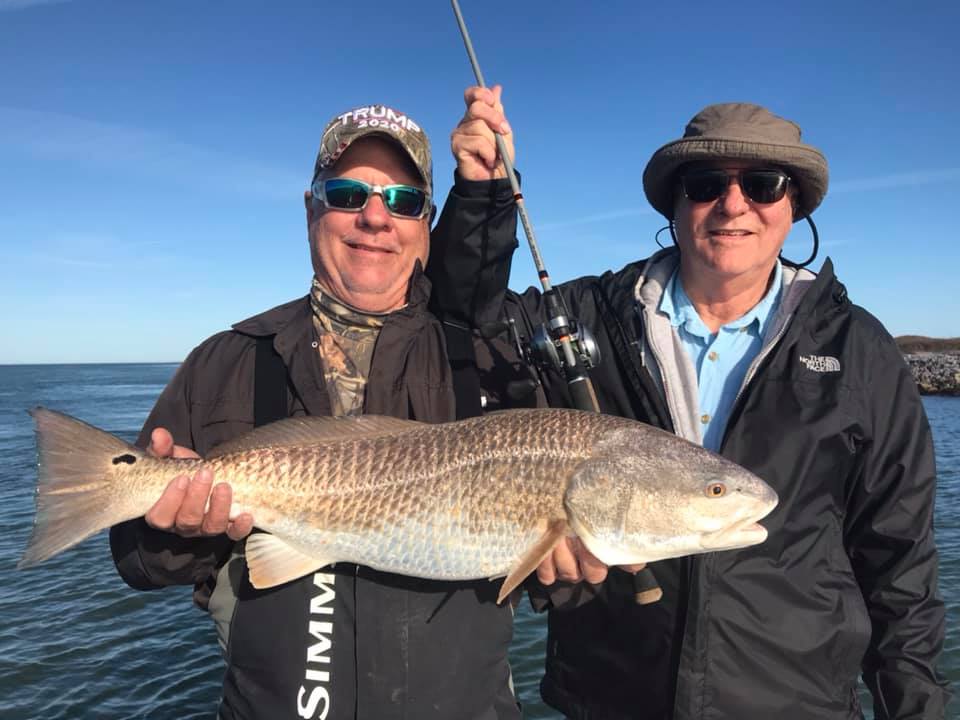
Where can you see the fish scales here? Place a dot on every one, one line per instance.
(463, 498)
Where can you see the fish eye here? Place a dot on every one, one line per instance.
(716, 489)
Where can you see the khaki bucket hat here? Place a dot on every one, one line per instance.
(348, 127)
(738, 131)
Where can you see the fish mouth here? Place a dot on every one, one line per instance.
(746, 530)
(742, 534)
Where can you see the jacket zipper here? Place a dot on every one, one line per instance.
(764, 353)
(690, 563)
(643, 339)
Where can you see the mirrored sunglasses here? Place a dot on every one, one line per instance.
(760, 186)
(352, 196)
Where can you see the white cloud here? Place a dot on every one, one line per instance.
(47, 259)
(94, 251)
(594, 218)
(25, 4)
(139, 153)
(910, 179)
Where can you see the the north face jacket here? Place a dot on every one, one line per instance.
(846, 582)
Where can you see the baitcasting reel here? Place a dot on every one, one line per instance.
(544, 351)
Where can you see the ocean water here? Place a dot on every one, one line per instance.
(76, 643)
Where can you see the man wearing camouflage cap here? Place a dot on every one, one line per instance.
(723, 341)
(344, 642)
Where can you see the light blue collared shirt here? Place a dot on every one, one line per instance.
(721, 359)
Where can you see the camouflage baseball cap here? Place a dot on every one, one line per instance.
(347, 127)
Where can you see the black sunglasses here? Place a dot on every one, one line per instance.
(352, 196)
(761, 186)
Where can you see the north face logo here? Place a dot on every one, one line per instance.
(820, 363)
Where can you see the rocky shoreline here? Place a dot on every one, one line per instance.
(936, 373)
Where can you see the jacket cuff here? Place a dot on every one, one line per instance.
(561, 595)
(148, 559)
(499, 189)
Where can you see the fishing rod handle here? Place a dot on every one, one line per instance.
(582, 394)
(646, 589)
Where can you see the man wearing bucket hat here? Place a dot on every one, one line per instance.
(344, 642)
(726, 343)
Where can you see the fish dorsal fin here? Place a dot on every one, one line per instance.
(556, 530)
(312, 430)
(273, 562)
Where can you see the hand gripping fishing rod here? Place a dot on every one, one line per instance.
(574, 357)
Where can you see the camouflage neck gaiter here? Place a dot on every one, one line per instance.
(345, 339)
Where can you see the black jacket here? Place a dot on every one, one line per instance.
(847, 580)
(348, 641)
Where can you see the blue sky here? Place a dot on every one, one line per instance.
(153, 155)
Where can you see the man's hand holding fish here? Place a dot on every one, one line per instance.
(191, 506)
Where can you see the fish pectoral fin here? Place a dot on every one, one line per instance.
(273, 562)
(556, 530)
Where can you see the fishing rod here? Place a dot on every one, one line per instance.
(577, 351)
(573, 359)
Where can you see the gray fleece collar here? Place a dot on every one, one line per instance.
(661, 266)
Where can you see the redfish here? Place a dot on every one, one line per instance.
(485, 497)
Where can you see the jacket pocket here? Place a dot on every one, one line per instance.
(854, 628)
(217, 421)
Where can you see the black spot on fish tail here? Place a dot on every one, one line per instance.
(125, 458)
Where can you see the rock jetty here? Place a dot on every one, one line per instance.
(935, 373)
(935, 363)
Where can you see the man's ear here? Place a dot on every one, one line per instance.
(308, 205)
(433, 214)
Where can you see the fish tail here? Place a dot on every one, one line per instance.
(76, 483)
